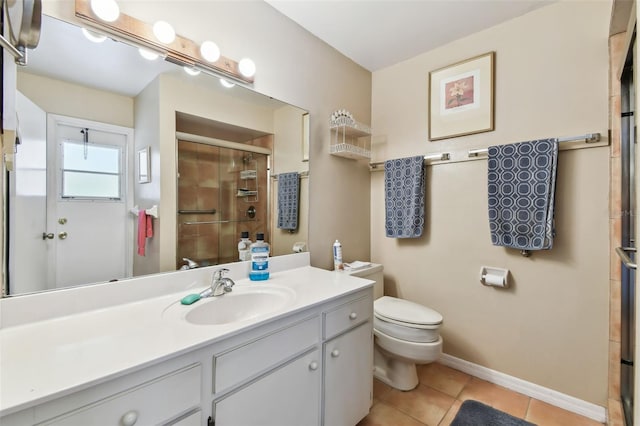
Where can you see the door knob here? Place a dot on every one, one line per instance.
(62, 235)
(313, 366)
(335, 353)
(48, 236)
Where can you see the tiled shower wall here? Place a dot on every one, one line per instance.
(616, 56)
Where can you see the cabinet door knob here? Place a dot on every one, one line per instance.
(353, 315)
(130, 418)
(335, 353)
(313, 366)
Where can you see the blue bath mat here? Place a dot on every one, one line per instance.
(474, 413)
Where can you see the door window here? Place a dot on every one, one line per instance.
(91, 171)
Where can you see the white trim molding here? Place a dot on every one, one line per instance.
(564, 401)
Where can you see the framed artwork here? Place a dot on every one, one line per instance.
(144, 165)
(305, 137)
(461, 98)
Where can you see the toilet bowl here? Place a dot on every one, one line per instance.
(405, 334)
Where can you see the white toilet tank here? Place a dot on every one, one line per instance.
(374, 272)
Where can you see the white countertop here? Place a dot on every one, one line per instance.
(44, 360)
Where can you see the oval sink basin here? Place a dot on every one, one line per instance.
(238, 305)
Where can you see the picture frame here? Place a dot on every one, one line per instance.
(461, 98)
(305, 137)
(144, 165)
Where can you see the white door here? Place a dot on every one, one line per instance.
(89, 193)
(27, 206)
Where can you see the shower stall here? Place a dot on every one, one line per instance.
(222, 191)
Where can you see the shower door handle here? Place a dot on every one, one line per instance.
(626, 260)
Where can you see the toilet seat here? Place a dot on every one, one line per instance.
(406, 320)
(408, 334)
(406, 313)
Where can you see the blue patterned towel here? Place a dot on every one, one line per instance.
(288, 200)
(404, 197)
(521, 185)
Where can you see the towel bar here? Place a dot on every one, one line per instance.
(212, 211)
(302, 175)
(153, 211)
(444, 156)
(588, 138)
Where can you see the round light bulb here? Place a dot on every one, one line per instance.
(191, 70)
(226, 83)
(210, 51)
(164, 32)
(247, 67)
(107, 10)
(148, 54)
(93, 36)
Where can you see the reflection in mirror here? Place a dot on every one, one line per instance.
(88, 115)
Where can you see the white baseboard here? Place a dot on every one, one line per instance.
(569, 403)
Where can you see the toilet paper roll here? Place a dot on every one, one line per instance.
(494, 280)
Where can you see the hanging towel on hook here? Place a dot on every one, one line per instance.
(521, 186)
(288, 200)
(404, 181)
(145, 230)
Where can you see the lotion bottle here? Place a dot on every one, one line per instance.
(244, 246)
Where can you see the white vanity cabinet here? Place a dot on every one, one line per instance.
(289, 395)
(348, 363)
(312, 367)
(317, 371)
(173, 398)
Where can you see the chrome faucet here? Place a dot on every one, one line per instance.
(221, 284)
(190, 264)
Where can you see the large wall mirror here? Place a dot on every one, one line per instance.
(86, 110)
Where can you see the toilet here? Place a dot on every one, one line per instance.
(406, 334)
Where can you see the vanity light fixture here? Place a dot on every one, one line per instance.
(226, 83)
(107, 10)
(191, 70)
(162, 39)
(210, 51)
(247, 67)
(164, 32)
(148, 54)
(93, 36)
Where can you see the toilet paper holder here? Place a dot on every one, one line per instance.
(494, 277)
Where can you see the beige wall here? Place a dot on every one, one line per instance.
(60, 97)
(551, 327)
(146, 195)
(288, 124)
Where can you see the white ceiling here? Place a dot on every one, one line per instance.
(378, 33)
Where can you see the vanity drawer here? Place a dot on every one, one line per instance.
(348, 315)
(151, 403)
(239, 364)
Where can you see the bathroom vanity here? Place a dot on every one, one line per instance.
(308, 361)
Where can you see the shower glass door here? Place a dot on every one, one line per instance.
(221, 193)
(628, 208)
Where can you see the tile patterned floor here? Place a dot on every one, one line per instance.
(442, 390)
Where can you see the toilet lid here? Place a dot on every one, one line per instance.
(401, 311)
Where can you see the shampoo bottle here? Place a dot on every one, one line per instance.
(259, 259)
